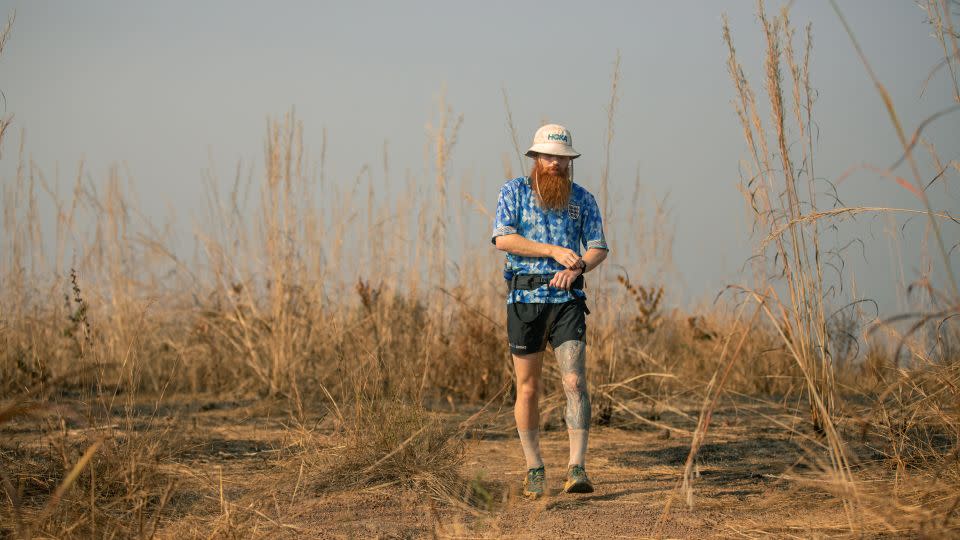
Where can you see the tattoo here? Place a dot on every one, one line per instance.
(571, 355)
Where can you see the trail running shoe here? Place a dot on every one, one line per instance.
(577, 481)
(533, 484)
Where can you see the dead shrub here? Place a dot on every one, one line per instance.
(391, 443)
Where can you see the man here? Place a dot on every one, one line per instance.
(542, 222)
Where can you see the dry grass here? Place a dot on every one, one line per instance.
(419, 453)
(319, 320)
(797, 305)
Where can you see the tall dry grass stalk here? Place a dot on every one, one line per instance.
(796, 300)
(444, 139)
(941, 19)
(597, 281)
(774, 196)
(907, 146)
(514, 138)
(909, 414)
(6, 118)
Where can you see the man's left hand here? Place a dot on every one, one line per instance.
(565, 278)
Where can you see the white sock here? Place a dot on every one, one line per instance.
(530, 440)
(578, 445)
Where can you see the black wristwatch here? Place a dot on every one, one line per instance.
(583, 267)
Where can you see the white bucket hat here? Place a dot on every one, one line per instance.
(553, 139)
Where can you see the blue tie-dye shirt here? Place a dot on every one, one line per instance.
(518, 212)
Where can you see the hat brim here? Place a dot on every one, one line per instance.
(554, 149)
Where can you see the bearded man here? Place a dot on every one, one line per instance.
(542, 222)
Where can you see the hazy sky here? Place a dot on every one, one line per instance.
(167, 86)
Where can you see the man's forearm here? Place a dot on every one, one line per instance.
(593, 257)
(518, 245)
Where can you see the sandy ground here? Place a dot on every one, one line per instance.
(738, 493)
(740, 490)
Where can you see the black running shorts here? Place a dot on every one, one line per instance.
(531, 325)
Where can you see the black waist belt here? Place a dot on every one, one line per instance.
(529, 282)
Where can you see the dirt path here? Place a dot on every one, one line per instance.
(635, 473)
(231, 453)
(739, 492)
(737, 495)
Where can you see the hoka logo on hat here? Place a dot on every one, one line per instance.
(553, 139)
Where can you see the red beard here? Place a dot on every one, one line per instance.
(553, 190)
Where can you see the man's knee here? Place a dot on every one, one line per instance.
(574, 384)
(571, 355)
(528, 389)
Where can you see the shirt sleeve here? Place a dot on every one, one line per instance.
(592, 236)
(507, 214)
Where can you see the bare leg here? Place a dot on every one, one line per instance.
(526, 411)
(571, 355)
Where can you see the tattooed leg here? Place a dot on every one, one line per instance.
(571, 356)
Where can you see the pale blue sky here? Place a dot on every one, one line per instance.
(162, 86)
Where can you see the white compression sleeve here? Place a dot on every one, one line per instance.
(530, 440)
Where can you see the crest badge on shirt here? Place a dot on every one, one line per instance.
(574, 211)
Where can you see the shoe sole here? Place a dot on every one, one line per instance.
(582, 487)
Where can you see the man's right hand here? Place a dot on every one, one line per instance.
(567, 257)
